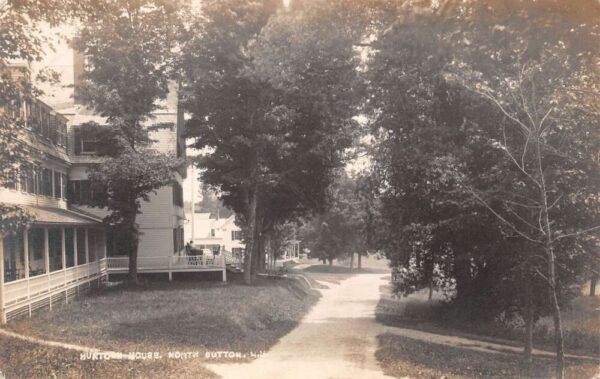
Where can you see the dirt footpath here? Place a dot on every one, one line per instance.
(337, 339)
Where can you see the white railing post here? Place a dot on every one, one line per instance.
(87, 254)
(2, 311)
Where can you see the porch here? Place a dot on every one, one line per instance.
(169, 264)
(50, 261)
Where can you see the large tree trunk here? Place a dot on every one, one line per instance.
(351, 261)
(250, 245)
(430, 296)
(257, 253)
(359, 265)
(593, 284)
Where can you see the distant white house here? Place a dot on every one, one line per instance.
(216, 234)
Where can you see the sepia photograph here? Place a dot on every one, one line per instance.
(300, 189)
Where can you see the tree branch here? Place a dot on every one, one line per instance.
(582, 232)
(508, 223)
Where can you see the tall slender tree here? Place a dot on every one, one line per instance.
(130, 46)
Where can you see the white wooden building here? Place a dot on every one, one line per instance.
(63, 249)
(68, 247)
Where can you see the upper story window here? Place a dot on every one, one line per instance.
(236, 235)
(63, 188)
(83, 192)
(46, 182)
(177, 194)
(38, 180)
(84, 141)
(57, 184)
(41, 120)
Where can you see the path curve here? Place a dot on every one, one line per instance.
(336, 339)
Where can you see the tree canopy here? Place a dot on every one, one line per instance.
(275, 129)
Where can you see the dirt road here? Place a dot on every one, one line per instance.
(335, 340)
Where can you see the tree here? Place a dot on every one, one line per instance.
(20, 26)
(458, 180)
(337, 231)
(275, 129)
(211, 204)
(130, 48)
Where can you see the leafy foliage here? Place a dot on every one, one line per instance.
(130, 49)
(273, 130)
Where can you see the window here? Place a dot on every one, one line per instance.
(36, 124)
(96, 244)
(83, 192)
(62, 133)
(36, 252)
(178, 240)
(45, 122)
(57, 184)
(63, 188)
(30, 173)
(69, 247)
(23, 178)
(14, 257)
(46, 182)
(93, 243)
(55, 249)
(236, 235)
(84, 141)
(81, 246)
(177, 194)
(212, 232)
(12, 180)
(38, 181)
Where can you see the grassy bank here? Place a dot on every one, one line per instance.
(20, 359)
(402, 357)
(177, 316)
(581, 323)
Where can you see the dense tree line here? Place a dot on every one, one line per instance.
(487, 144)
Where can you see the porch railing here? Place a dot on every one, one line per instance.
(167, 263)
(35, 286)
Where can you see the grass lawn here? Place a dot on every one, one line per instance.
(20, 359)
(402, 357)
(581, 323)
(338, 272)
(175, 316)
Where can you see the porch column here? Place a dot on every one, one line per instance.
(26, 255)
(63, 249)
(46, 252)
(75, 247)
(26, 248)
(87, 247)
(2, 312)
(105, 247)
(64, 262)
